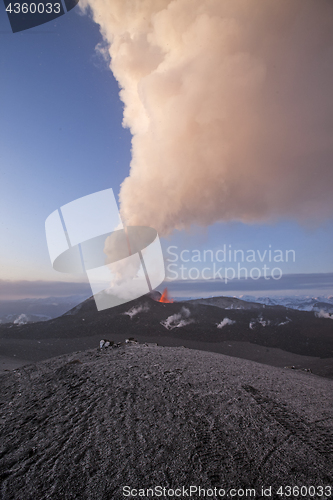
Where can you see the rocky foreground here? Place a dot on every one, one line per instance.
(86, 425)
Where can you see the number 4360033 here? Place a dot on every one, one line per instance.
(33, 8)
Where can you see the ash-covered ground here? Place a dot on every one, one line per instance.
(85, 425)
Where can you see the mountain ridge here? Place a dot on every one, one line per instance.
(295, 331)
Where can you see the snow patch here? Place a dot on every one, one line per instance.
(284, 323)
(264, 322)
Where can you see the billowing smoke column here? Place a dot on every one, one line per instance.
(230, 106)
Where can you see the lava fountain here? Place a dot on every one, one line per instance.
(164, 297)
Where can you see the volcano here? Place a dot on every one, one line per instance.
(273, 335)
(92, 422)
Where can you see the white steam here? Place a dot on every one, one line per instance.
(21, 320)
(260, 321)
(136, 310)
(225, 321)
(178, 320)
(323, 314)
(230, 106)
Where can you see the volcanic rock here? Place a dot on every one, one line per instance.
(85, 427)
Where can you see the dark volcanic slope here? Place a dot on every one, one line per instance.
(83, 427)
(298, 332)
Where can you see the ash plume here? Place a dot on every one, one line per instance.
(229, 103)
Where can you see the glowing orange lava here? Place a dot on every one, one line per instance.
(164, 297)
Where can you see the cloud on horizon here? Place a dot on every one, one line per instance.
(305, 284)
(21, 289)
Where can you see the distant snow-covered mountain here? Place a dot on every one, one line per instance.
(33, 310)
(301, 303)
(298, 302)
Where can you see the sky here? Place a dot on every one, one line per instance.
(61, 138)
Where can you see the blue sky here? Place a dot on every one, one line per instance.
(61, 138)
